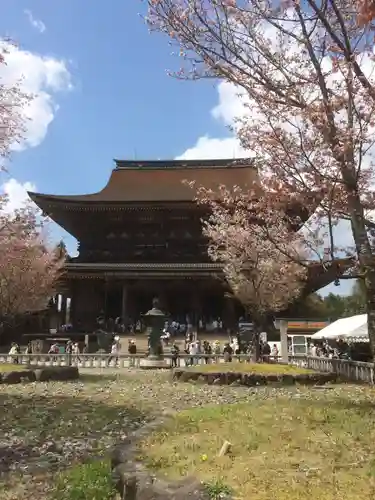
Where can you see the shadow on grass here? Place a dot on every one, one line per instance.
(60, 428)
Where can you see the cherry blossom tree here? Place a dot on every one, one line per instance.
(366, 11)
(263, 262)
(29, 268)
(305, 75)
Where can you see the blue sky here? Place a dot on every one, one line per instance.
(104, 94)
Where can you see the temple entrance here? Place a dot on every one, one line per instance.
(112, 300)
(213, 306)
(178, 306)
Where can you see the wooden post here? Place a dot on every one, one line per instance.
(225, 449)
(124, 304)
(195, 306)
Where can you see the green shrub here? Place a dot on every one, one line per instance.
(90, 481)
(217, 489)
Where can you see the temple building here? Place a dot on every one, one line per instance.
(141, 237)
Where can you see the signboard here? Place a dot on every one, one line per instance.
(245, 330)
(307, 325)
(263, 337)
(246, 326)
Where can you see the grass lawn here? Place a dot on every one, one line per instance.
(287, 443)
(10, 367)
(48, 430)
(261, 368)
(310, 444)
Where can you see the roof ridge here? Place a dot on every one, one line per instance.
(183, 164)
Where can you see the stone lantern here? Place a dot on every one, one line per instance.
(154, 320)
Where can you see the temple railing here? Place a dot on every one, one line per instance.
(353, 371)
(121, 360)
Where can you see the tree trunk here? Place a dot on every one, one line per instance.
(260, 325)
(370, 306)
(256, 346)
(366, 260)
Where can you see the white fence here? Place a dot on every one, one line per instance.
(354, 371)
(110, 361)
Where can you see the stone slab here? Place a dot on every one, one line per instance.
(154, 364)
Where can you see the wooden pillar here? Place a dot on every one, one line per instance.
(196, 305)
(124, 304)
(86, 303)
(72, 294)
(63, 309)
(284, 341)
(68, 306)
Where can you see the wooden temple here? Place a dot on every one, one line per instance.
(141, 237)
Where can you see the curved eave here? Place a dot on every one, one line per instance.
(49, 203)
(159, 184)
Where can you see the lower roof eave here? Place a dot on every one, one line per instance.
(140, 276)
(141, 267)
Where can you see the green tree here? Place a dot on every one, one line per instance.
(332, 306)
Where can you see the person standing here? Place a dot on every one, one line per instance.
(313, 350)
(275, 352)
(132, 350)
(13, 353)
(228, 353)
(207, 349)
(175, 351)
(266, 351)
(69, 352)
(115, 350)
(76, 352)
(193, 349)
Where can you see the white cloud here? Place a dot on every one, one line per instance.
(16, 194)
(230, 107)
(35, 23)
(17, 197)
(40, 76)
(208, 147)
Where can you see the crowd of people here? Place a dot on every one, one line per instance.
(196, 348)
(339, 349)
(173, 326)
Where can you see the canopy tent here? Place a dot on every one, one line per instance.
(354, 327)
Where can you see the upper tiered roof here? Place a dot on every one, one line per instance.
(159, 181)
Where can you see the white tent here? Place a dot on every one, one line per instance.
(353, 327)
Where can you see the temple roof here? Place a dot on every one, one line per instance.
(159, 181)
